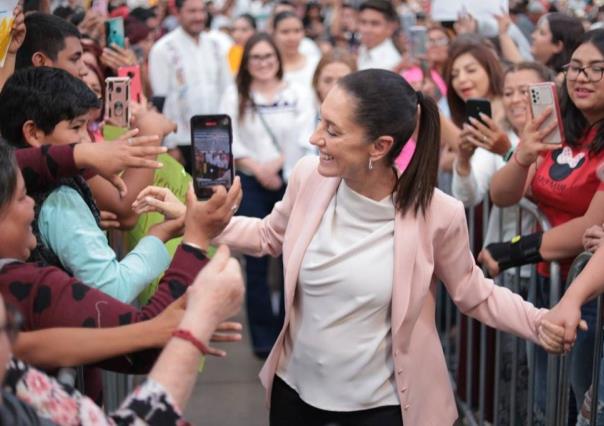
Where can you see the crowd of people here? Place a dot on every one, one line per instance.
(357, 163)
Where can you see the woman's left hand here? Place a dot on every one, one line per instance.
(488, 135)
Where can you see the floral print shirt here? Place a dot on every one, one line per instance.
(148, 404)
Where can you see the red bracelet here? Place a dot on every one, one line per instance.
(186, 335)
(517, 161)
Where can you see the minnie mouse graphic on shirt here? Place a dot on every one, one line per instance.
(565, 163)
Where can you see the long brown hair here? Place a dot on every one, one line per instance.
(386, 105)
(244, 78)
(336, 55)
(487, 59)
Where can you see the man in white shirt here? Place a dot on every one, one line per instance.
(188, 69)
(377, 22)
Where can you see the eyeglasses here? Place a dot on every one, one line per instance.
(438, 42)
(592, 72)
(258, 59)
(12, 326)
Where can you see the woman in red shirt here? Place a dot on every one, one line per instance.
(562, 180)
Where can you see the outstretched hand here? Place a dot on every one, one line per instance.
(558, 328)
(160, 200)
(109, 159)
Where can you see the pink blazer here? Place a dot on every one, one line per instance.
(427, 249)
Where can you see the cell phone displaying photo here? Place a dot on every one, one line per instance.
(476, 106)
(419, 41)
(211, 151)
(117, 101)
(136, 86)
(542, 96)
(115, 33)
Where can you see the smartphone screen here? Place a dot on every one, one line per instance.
(115, 33)
(211, 141)
(475, 106)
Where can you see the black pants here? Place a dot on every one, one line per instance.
(287, 409)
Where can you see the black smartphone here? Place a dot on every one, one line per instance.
(211, 145)
(158, 102)
(475, 106)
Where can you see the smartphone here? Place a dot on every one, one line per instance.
(543, 95)
(211, 151)
(115, 33)
(475, 106)
(407, 20)
(136, 86)
(158, 102)
(117, 101)
(100, 6)
(419, 41)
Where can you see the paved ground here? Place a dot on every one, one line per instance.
(228, 392)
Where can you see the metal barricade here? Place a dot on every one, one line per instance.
(474, 404)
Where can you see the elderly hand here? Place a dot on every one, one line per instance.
(161, 200)
(205, 220)
(216, 294)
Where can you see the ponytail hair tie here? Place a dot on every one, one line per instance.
(420, 97)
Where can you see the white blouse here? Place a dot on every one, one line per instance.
(338, 347)
(286, 116)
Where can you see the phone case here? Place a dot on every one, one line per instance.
(542, 96)
(136, 86)
(475, 106)
(419, 40)
(117, 101)
(211, 152)
(115, 33)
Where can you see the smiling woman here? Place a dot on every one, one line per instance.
(348, 352)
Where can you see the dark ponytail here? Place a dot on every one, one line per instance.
(388, 106)
(416, 185)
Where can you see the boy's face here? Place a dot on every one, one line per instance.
(69, 131)
(374, 28)
(70, 58)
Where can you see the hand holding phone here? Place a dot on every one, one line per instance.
(117, 101)
(419, 41)
(544, 96)
(211, 149)
(476, 106)
(115, 33)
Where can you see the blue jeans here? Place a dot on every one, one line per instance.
(263, 322)
(579, 359)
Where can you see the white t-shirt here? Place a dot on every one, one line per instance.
(303, 76)
(191, 75)
(383, 56)
(287, 116)
(337, 353)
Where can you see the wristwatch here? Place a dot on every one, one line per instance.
(508, 154)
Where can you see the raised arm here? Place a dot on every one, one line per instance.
(472, 292)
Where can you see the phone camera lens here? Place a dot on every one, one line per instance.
(118, 89)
